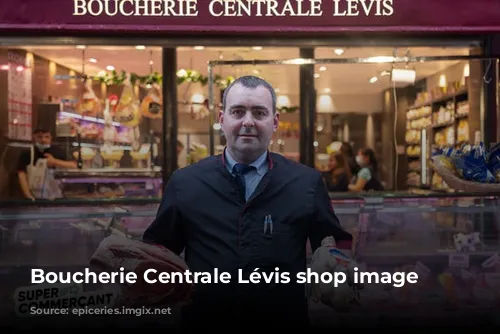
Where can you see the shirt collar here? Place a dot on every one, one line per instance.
(260, 164)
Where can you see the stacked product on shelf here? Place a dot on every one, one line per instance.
(444, 112)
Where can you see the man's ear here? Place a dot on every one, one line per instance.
(221, 116)
(276, 121)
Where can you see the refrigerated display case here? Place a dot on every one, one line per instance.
(391, 232)
(110, 183)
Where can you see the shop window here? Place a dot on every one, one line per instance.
(102, 106)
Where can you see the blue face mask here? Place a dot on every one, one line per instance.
(42, 147)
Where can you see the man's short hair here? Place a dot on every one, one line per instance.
(250, 81)
(40, 130)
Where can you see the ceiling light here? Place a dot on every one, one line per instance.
(199, 47)
(140, 47)
(110, 68)
(381, 59)
(93, 60)
(327, 90)
(257, 48)
(322, 68)
(385, 73)
(339, 52)
(373, 79)
(81, 47)
(316, 75)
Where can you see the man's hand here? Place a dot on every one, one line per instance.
(51, 161)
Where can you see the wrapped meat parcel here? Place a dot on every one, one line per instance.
(128, 107)
(135, 256)
(151, 105)
(88, 104)
(328, 258)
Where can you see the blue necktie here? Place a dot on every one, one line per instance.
(239, 171)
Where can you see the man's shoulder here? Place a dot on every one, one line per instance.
(294, 166)
(201, 166)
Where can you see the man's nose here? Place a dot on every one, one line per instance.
(248, 120)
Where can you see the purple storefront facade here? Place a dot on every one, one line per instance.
(163, 17)
(301, 23)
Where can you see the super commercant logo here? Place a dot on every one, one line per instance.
(59, 296)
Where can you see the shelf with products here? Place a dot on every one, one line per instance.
(450, 129)
(443, 112)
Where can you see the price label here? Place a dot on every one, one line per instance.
(149, 185)
(458, 260)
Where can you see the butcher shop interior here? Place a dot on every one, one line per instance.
(103, 108)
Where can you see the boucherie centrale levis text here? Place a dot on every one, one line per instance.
(233, 8)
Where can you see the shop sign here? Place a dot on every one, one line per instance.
(251, 16)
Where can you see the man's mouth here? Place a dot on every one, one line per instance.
(248, 136)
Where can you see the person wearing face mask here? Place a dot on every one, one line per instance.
(368, 176)
(42, 149)
(246, 211)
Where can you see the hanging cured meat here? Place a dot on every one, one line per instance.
(127, 110)
(151, 105)
(88, 104)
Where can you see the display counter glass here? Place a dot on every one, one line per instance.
(451, 241)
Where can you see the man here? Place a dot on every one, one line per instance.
(227, 219)
(42, 150)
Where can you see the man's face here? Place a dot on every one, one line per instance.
(248, 121)
(43, 138)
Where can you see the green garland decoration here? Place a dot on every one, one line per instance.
(183, 76)
(283, 110)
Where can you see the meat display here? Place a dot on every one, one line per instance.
(135, 256)
(128, 110)
(151, 105)
(88, 104)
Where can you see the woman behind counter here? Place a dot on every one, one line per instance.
(368, 176)
(338, 176)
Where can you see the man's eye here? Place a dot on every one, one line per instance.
(261, 113)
